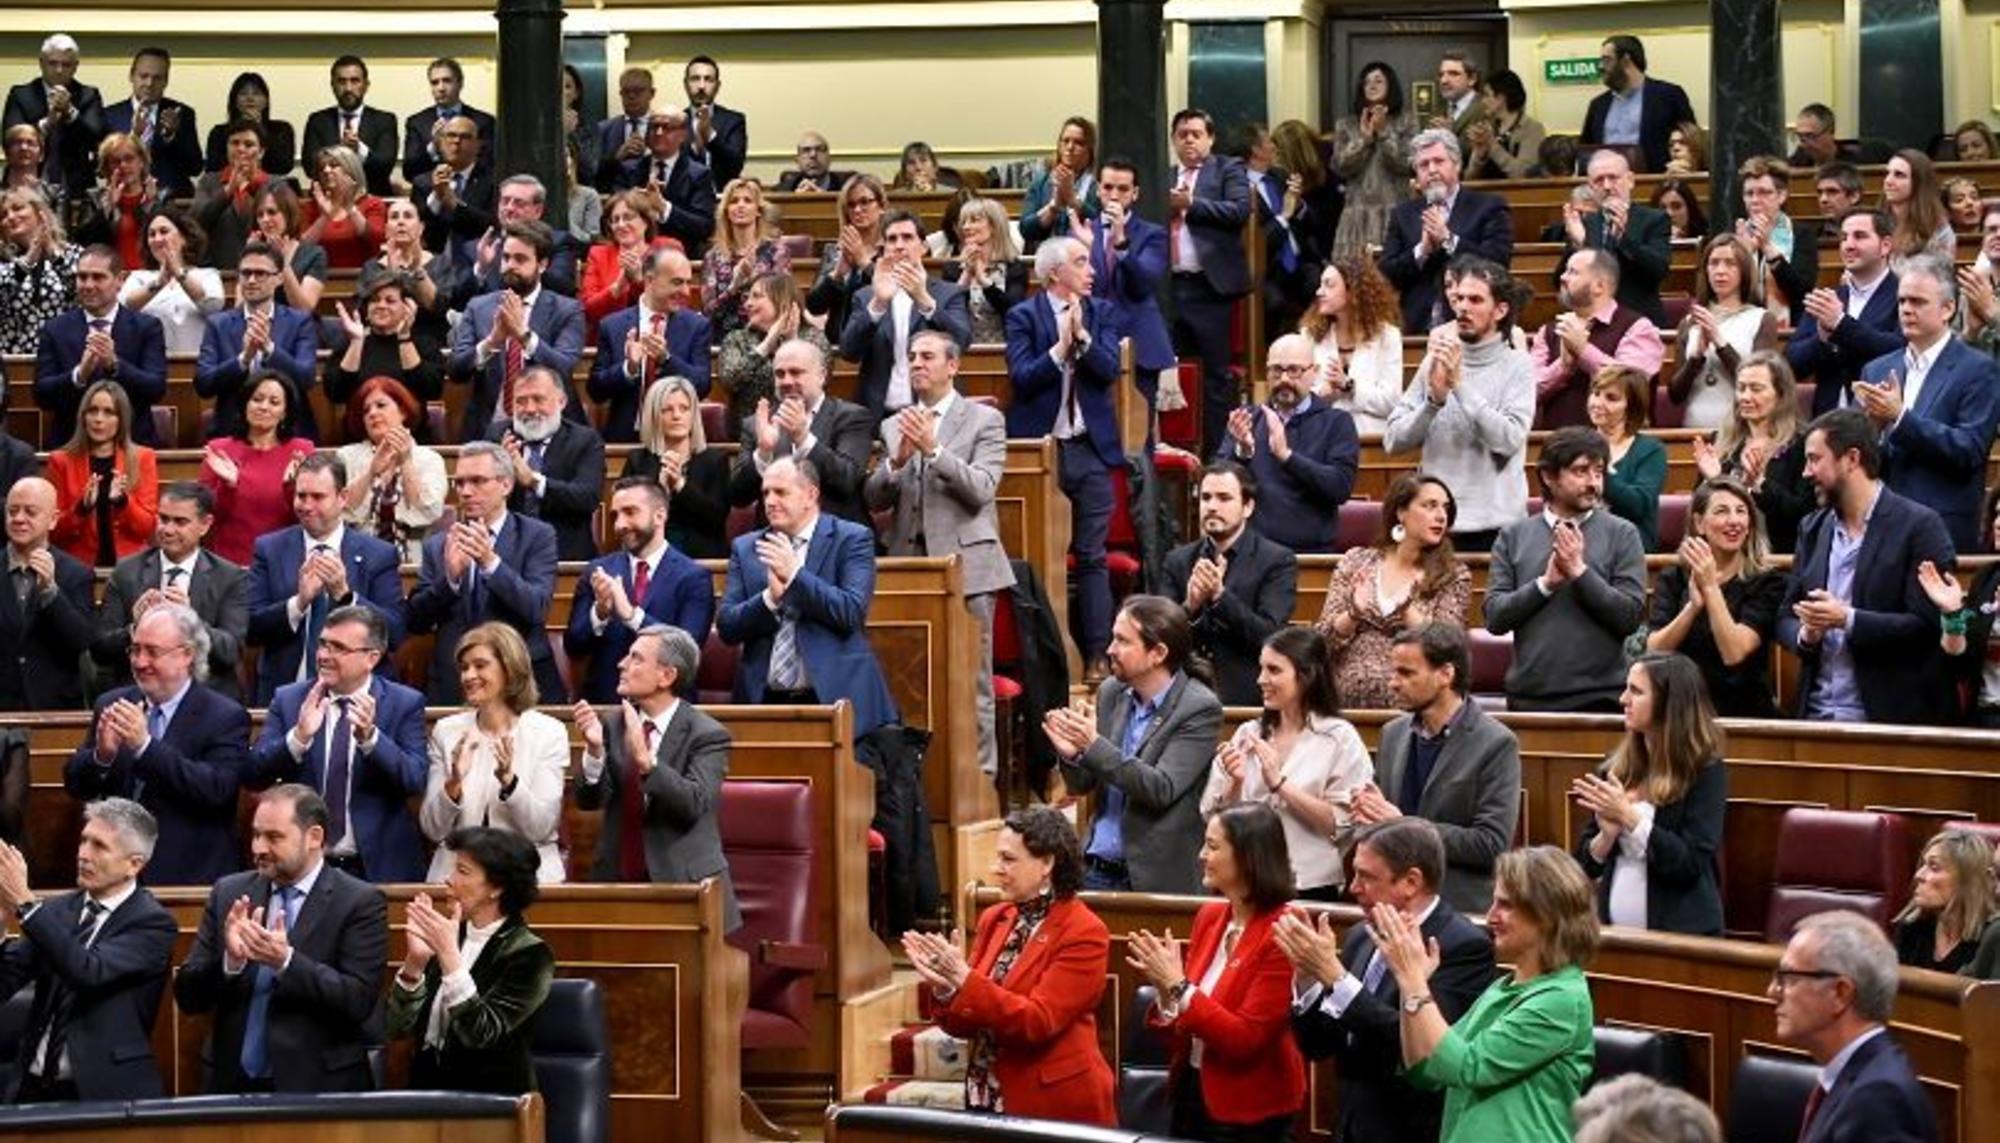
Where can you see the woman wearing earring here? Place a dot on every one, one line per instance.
(1409, 578)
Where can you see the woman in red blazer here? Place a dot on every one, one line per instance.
(107, 488)
(612, 275)
(1237, 1074)
(1026, 1002)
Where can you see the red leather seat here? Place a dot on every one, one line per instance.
(1360, 525)
(1182, 427)
(715, 422)
(1666, 413)
(741, 520)
(715, 679)
(1837, 859)
(798, 245)
(1491, 656)
(1674, 508)
(767, 837)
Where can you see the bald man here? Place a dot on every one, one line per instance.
(1302, 450)
(813, 167)
(45, 607)
(680, 182)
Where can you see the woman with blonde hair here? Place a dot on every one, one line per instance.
(1761, 443)
(1357, 336)
(126, 198)
(746, 246)
(848, 262)
(674, 451)
(1951, 903)
(341, 216)
(107, 486)
(37, 269)
(1068, 185)
(1718, 604)
(1725, 325)
(1409, 577)
(989, 268)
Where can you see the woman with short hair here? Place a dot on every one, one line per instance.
(988, 267)
(395, 484)
(1637, 473)
(674, 450)
(37, 269)
(341, 217)
(302, 264)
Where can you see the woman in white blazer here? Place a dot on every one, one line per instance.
(499, 763)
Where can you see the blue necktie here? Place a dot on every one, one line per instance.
(255, 1059)
(316, 613)
(788, 672)
(1287, 258)
(156, 729)
(339, 756)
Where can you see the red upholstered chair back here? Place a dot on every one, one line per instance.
(767, 837)
(1491, 656)
(1837, 859)
(1666, 414)
(715, 678)
(715, 422)
(1988, 830)
(1674, 509)
(1360, 524)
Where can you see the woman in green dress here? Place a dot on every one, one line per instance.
(1617, 405)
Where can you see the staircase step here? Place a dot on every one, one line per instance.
(926, 1052)
(939, 1094)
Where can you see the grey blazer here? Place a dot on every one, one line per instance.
(1473, 798)
(1162, 782)
(949, 501)
(683, 795)
(219, 594)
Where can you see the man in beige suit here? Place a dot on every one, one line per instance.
(944, 458)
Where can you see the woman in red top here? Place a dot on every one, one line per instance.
(107, 488)
(125, 200)
(614, 271)
(342, 218)
(1237, 1073)
(1026, 1002)
(251, 472)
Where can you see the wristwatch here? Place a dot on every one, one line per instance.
(1414, 1004)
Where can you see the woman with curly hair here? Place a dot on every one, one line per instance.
(1687, 150)
(1410, 577)
(1357, 342)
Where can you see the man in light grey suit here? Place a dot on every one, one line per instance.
(944, 459)
(655, 766)
(1148, 744)
(177, 569)
(899, 301)
(1444, 760)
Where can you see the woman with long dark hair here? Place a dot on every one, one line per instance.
(1911, 196)
(250, 102)
(1409, 577)
(107, 486)
(250, 471)
(1371, 150)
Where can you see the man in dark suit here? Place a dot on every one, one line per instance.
(1865, 631)
(367, 131)
(1236, 586)
(298, 576)
(1286, 227)
(359, 740)
(1302, 451)
(289, 958)
(491, 565)
(717, 136)
(662, 336)
(520, 324)
(17, 459)
(1835, 987)
(683, 185)
(70, 116)
(1638, 236)
(1208, 207)
(1428, 232)
(622, 138)
(1128, 260)
(797, 603)
(558, 464)
(520, 198)
(1638, 113)
(100, 340)
(98, 960)
(423, 133)
(176, 748)
(177, 569)
(643, 584)
(836, 435)
(813, 167)
(45, 607)
(454, 195)
(900, 301)
(654, 764)
(258, 333)
(166, 126)
(1352, 1009)
(1846, 328)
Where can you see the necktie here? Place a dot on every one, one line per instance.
(255, 1058)
(174, 576)
(156, 728)
(660, 172)
(788, 670)
(535, 451)
(1371, 977)
(347, 123)
(316, 613)
(99, 325)
(515, 360)
(62, 998)
(642, 581)
(632, 835)
(458, 185)
(143, 128)
(339, 762)
(1288, 259)
(1178, 223)
(1813, 1101)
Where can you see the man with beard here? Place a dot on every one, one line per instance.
(642, 584)
(367, 131)
(1638, 113)
(1594, 330)
(717, 136)
(520, 198)
(901, 300)
(834, 434)
(1638, 236)
(1236, 585)
(520, 324)
(177, 569)
(1569, 584)
(1449, 221)
(1857, 322)
(812, 167)
(558, 463)
(1302, 451)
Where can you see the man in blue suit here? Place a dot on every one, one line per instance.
(1209, 205)
(643, 583)
(176, 748)
(69, 115)
(258, 333)
(358, 739)
(1303, 452)
(1613, 120)
(662, 336)
(491, 565)
(900, 301)
(1835, 987)
(1062, 357)
(423, 146)
(1448, 220)
(685, 188)
(293, 589)
(166, 126)
(797, 603)
(1128, 261)
(1846, 328)
(505, 331)
(99, 340)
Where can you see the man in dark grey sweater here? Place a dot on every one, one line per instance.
(1570, 584)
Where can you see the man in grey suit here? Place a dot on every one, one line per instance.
(1444, 760)
(1148, 744)
(900, 301)
(655, 766)
(177, 569)
(944, 456)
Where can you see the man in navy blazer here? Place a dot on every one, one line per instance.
(1935, 403)
(520, 324)
(1303, 452)
(1128, 260)
(1449, 219)
(368, 131)
(1209, 206)
(609, 611)
(69, 115)
(662, 336)
(520, 198)
(901, 299)
(800, 419)
(378, 726)
(683, 182)
(491, 565)
(1836, 987)
(1867, 642)
(291, 594)
(256, 334)
(422, 149)
(99, 340)
(717, 136)
(175, 747)
(802, 617)
(166, 126)
(1663, 106)
(1846, 328)
(47, 633)
(622, 138)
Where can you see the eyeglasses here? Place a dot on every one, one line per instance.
(144, 651)
(334, 648)
(1274, 369)
(1787, 977)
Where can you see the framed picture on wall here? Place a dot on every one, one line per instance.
(1424, 97)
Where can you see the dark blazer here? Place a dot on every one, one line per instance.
(679, 593)
(1484, 225)
(1298, 501)
(1259, 585)
(188, 778)
(218, 592)
(1037, 379)
(1473, 797)
(610, 137)
(1128, 281)
(74, 150)
(141, 345)
(1162, 780)
(843, 442)
(1682, 895)
(219, 374)
(1969, 666)
(561, 276)
(46, 641)
(1376, 1101)
(177, 162)
(1832, 365)
(517, 592)
(829, 600)
(1875, 1099)
(458, 229)
(17, 459)
(381, 782)
(274, 578)
(1662, 107)
(557, 323)
(572, 488)
(1641, 249)
(1216, 221)
(281, 147)
(323, 1011)
(698, 518)
(114, 985)
(1894, 637)
(727, 148)
(609, 385)
(377, 130)
(1936, 454)
(1251, 1069)
(690, 193)
(486, 1040)
(679, 807)
(829, 183)
(871, 341)
(417, 158)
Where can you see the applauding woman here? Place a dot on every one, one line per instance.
(475, 974)
(1718, 605)
(302, 264)
(1638, 471)
(386, 339)
(674, 450)
(1357, 342)
(1026, 1000)
(1970, 638)
(342, 218)
(988, 267)
(747, 246)
(395, 486)
(1237, 1072)
(773, 313)
(1723, 327)
(1410, 577)
(1761, 446)
(428, 279)
(251, 471)
(107, 487)
(848, 263)
(174, 287)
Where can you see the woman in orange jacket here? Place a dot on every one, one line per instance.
(107, 488)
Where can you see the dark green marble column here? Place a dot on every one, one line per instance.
(1132, 93)
(530, 98)
(1902, 73)
(1746, 98)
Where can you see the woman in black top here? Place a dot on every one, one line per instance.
(1763, 445)
(1969, 636)
(1719, 604)
(250, 101)
(1951, 903)
(385, 340)
(673, 449)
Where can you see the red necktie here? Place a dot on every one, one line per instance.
(632, 840)
(516, 361)
(659, 330)
(1812, 1109)
(641, 579)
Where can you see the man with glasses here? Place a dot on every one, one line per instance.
(680, 185)
(1813, 127)
(358, 739)
(454, 196)
(177, 569)
(173, 747)
(1638, 112)
(813, 171)
(520, 198)
(1302, 451)
(45, 607)
(621, 139)
(1638, 236)
(424, 140)
(258, 333)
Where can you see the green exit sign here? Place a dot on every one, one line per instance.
(1570, 71)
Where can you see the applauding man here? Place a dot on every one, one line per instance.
(1450, 220)
(558, 463)
(521, 324)
(900, 301)
(1235, 585)
(804, 422)
(662, 336)
(1302, 451)
(643, 584)
(259, 333)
